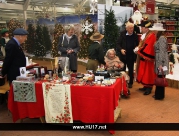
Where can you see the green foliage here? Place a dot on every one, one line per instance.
(58, 31)
(111, 31)
(85, 40)
(171, 58)
(30, 43)
(47, 42)
(39, 49)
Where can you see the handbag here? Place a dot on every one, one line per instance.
(64, 63)
(161, 81)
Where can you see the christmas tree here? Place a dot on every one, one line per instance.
(87, 31)
(39, 48)
(58, 31)
(111, 31)
(12, 25)
(46, 37)
(30, 43)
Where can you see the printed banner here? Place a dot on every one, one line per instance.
(57, 103)
(150, 6)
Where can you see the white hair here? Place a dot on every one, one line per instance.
(109, 51)
(68, 27)
(129, 24)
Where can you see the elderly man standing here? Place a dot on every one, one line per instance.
(15, 57)
(145, 58)
(127, 42)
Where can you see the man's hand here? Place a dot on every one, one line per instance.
(136, 49)
(69, 51)
(123, 52)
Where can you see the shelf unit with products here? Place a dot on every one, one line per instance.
(172, 31)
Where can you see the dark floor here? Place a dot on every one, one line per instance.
(138, 108)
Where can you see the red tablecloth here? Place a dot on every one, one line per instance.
(89, 104)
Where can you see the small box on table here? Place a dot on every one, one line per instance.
(20, 78)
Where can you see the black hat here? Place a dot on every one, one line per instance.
(20, 31)
(145, 24)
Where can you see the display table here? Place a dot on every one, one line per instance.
(94, 104)
(5, 87)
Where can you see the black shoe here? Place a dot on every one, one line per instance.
(128, 92)
(142, 89)
(159, 98)
(129, 85)
(123, 96)
(148, 91)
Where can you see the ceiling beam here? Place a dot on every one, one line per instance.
(21, 7)
(58, 9)
(26, 4)
(11, 6)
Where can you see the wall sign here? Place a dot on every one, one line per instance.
(150, 6)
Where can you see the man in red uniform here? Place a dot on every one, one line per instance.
(145, 60)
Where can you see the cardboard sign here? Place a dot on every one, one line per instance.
(22, 71)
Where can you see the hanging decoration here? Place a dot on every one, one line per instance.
(34, 17)
(3, 1)
(45, 13)
(45, 7)
(135, 2)
(93, 6)
(86, 27)
(79, 9)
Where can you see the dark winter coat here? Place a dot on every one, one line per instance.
(14, 59)
(73, 44)
(121, 44)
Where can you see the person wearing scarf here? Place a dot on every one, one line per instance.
(69, 46)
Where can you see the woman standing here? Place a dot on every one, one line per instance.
(161, 58)
(69, 46)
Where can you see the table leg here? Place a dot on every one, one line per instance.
(42, 120)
